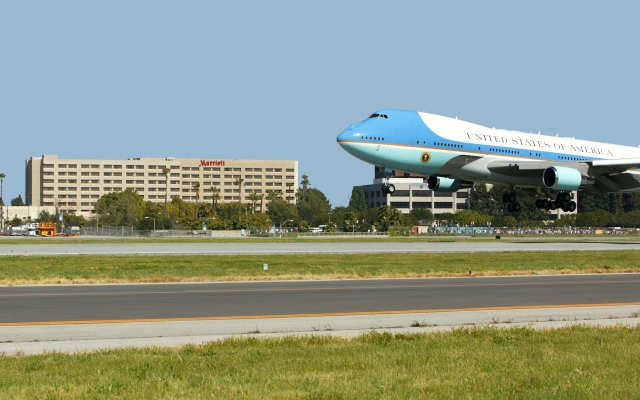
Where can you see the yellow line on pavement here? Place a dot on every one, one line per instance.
(337, 314)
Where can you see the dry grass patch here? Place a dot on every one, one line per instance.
(206, 268)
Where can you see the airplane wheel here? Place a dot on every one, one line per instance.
(566, 197)
(515, 207)
(546, 204)
(385, 188)
(505, 198)
(553, 205)
(510, 207)
(391, 189)
(539, 203)
(571, 207)
(512, 198)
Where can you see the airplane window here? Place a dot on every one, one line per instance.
(379, 116)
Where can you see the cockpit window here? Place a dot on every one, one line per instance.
(379, 116)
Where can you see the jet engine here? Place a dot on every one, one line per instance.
(562, 178)
(447, 185)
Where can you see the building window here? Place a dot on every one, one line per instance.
(400, 204)
(442, 204)
(290, 170)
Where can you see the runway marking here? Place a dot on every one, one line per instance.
(418, 286)
(336, 314)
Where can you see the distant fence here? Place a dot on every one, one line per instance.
(127, 231)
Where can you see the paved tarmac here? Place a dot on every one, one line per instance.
(88, 317)
(304, 247)
(230, 300)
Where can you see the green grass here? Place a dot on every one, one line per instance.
(481, 363)
(97, 269)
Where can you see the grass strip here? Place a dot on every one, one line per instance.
(199, 268)
(577, 362)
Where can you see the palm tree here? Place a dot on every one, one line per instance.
(261, 200)
(2, 176)
(254, 197)
(305, 183)
(215, 196)
(272, 194)
(165, 172)
(289, 184)
(239, 183)
(196, 186)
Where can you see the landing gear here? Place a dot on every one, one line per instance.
(563, 201)
(512, 204)
(387, 188)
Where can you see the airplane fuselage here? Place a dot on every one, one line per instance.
(430, 144)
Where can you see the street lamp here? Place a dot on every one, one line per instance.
(284, 222)
(154, 222)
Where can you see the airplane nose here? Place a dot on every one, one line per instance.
(348, 134)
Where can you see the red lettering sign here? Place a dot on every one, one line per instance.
(208, 163)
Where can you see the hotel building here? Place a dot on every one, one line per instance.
(75, 185)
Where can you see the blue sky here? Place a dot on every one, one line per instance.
(280, 80)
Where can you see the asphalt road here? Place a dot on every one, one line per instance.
(303, 247)
(238, 300)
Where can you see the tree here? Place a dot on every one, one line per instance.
(422, 215)
(17, 201)
(196, 186)
(272, 195)
(289, 185)
(630, 219)
(2, 176)
(484, 201)
(120, 208)
(239, 183)
(592, 202)
(215, 196)
(597, 219)
(305, 184)
(473, 218)
(350, 220)
(388, 216)
(314, 208)
(254, 197)
(357, 201)
(280, 210)
(165, 172)
(261, 200)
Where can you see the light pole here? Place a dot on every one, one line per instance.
(2, 176)
(284, 222)
(329, 217)
(154, 222)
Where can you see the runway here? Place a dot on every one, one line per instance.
(232, 300)
(305, 247)
(88, 317)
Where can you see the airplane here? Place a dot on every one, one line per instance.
(455, 154)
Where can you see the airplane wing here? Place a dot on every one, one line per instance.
(607, 175)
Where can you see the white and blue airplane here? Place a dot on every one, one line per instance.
(454, 154)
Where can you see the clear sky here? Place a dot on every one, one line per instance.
(280, 80)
